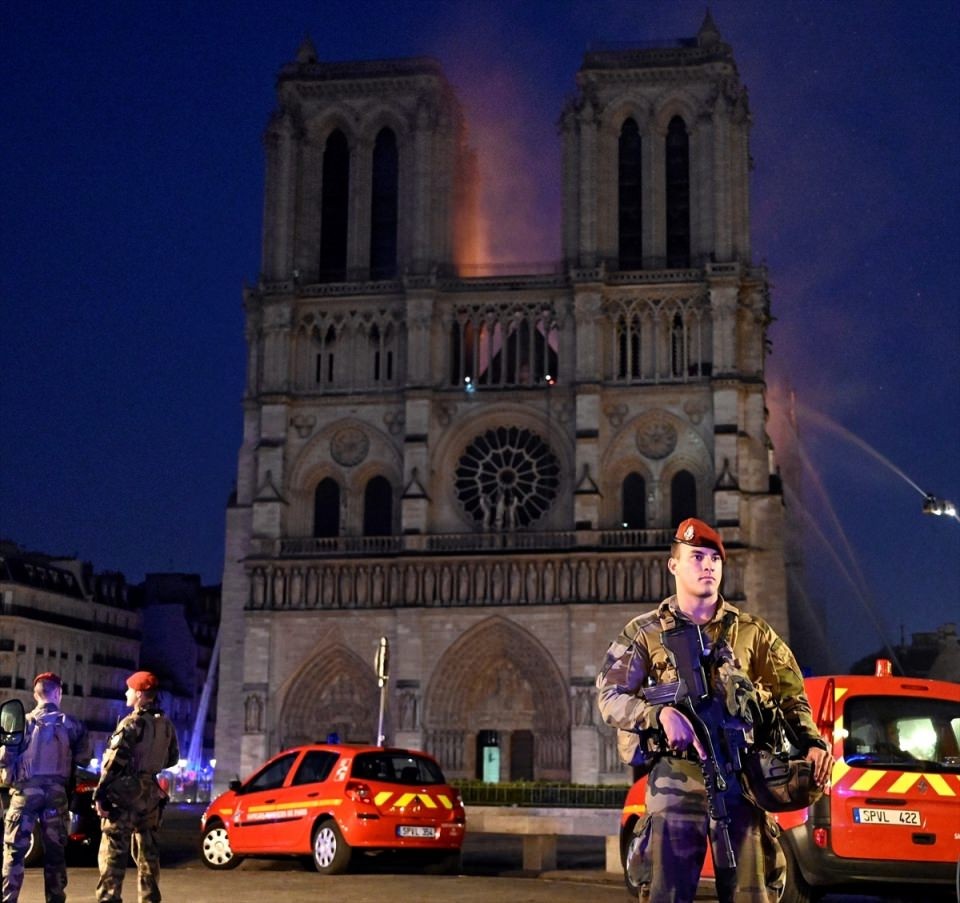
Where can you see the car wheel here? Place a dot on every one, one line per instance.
(34, 854)
(331, 853)
(629, 842)
(215, 848)
(796, 889)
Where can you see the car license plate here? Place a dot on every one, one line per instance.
(886, 816)
(416, 831)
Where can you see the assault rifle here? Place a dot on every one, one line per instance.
(721, 743)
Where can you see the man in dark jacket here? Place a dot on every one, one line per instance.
(40, 771)
(128, 797)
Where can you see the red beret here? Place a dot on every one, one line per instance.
(142, 680)
(693, 532)
(50, 676)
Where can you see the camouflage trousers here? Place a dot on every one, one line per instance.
(135, 830)
(48, 803)
(673, 834)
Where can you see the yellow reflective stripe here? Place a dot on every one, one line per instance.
(382, 797)
(638, 809)
(939, 785)
(840, 769)
(904, 782)
(406, 798)
(294, 804)
(445, 801)
(867, 780)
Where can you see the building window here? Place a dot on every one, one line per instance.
(678, 347)
(678, 194)
(628, 348)
(381, 353)
(326, 508)
(504, 345)
(660, 341)
(378, 507)
(634, 498)
(630, 197)
(683, 497)
(324, 372)
(334, 206)
(507, 478)
(383, 207)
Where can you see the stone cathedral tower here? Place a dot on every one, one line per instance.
(486, 470)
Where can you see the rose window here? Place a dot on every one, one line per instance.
(506, 478)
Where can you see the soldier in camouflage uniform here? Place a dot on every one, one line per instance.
(40, 773)
(128, 797)
(673, 833)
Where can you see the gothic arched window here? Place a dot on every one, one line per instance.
(504, 345)
(324, 366)
(334, 204)
(628, 347)
(381, 343)
(683, 497)
(378, 507)
(678, 194)
(383, 207)
(634, 497)
(678, 346)
(630, 197)
(326, 508)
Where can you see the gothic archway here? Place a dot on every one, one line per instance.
(500, 677)
(335, 693)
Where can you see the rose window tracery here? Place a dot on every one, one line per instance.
(507, 477)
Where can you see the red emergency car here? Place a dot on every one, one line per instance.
(892, 813)
(327, 800)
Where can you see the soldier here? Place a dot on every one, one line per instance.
(128, 798)
(40, 773)
(673, 833)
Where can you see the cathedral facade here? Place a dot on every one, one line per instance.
(487, 470)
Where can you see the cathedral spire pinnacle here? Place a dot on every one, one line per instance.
(307, 53)
(708, 33)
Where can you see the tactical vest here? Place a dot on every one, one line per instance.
(47, 753)
(150, 754)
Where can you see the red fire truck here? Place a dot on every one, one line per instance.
(892, 813)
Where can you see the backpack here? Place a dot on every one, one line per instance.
(48, 752)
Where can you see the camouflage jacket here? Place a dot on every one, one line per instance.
(144, 743)
(637, 658)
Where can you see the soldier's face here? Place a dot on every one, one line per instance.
(698, 571)
(131, 697)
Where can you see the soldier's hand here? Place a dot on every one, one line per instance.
(679, 731)
(822, 762)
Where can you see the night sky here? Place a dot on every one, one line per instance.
(133, 176)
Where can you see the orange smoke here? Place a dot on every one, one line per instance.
(513, 202)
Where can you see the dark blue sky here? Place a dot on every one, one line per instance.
(133, 174)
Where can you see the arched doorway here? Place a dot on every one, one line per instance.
(499, 677)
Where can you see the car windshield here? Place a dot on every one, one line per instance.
(912, 733)
(397, 768)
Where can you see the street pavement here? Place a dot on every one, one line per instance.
(492, 873)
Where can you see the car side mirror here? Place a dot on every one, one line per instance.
(235, 785)
(12, 723)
